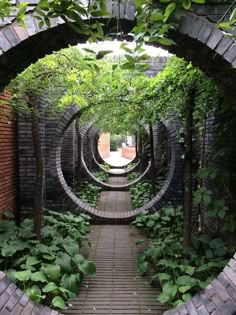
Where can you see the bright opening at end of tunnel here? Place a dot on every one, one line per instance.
(117, 150)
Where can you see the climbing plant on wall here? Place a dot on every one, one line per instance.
(66, 77)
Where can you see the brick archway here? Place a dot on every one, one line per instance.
(61, 187)
(197, 40)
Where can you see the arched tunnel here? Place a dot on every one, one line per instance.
(68, 157)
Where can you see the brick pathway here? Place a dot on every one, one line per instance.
(118, 287)
(115, 201)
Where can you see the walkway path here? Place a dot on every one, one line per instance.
(118, 287)
(115, 201)
(116, 159)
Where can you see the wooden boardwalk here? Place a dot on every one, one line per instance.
(118, 287)
(115, 201)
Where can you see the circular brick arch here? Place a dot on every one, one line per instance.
(137, 163)
(99, 158)
(93, 178)
(197, 39)
(169, 187)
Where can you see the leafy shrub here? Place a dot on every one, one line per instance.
(101, 176)
(105, 167)
(115, 142)
(50, 270)
(141, 193)
(130, 166)
(133, 176)
(89, 193)
(181, 272)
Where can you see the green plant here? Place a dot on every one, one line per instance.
(105, 167)
(181, 271)
(101, 176)
(89, 193)
(133, 176)
(50, 270)
(130, 166)
(141, 192)
(115, 142)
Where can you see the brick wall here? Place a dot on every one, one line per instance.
(128, 152)
(104, 145)
(67, 154)
(8, 156)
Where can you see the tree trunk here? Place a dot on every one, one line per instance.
(136, 144)
(79, 164)
(140, 150)
(202, 164)
(153, 173)
(38, 195)
(89, 152)
(188, 170)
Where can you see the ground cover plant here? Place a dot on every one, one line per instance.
(181, 271)
(105, 167)
(89, 193)
(133, 176)
(142, 192)
(130, 166)
(50, 270)
(101, 176)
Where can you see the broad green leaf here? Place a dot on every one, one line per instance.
(187, 269)
(39, 276)
(34, 293)
(207, 199)
(225, 25)
(169, 9)
(184, 288)
(32, 260)
(100, 13)
(125, 48)
(8, 214)
(165, 41)
(71, 249)
(22, 275)
(59, 302)
(52, 271)
(170, 290)
(51, 286)
(186, 297)
(163, 276)
(88, 267)
(78, 259)
(186, 280)
(187, 4)
(103, 53)
(71, 283)
(177, 303)
(64, 261)
(163, 298)
(197, 199)
(233, 16)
